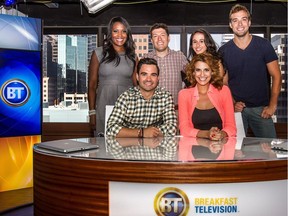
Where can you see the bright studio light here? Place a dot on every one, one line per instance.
(94, 6)
(9, 3)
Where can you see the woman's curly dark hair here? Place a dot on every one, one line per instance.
(109, 53)
(212, 62)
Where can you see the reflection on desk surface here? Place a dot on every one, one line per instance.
(181, 149)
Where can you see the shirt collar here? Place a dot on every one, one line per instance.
(155, 55)
(155, 95)
(211, 90)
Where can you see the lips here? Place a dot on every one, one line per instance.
(202, 78)
(148, 83)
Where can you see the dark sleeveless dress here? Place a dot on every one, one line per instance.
(205, 119)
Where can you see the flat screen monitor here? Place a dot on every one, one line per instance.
(20, 83)
(18, 32)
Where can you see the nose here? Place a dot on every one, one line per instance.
(120, 34)
(148, 78)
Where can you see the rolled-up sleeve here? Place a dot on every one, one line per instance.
(169, 126)
(116, 119)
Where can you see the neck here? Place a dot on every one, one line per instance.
(244, 41)
(147, 95)
(162, 53)
(119, 49)
(202, 90)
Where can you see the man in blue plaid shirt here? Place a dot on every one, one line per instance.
(146, 110)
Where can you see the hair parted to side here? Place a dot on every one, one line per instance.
(212, 62)
(109, 52)
(159, 25)
(236, 8)
(148, 61)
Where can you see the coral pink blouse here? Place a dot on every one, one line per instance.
(222, 101)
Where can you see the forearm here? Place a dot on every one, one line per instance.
(203, 134)
(168, 129)
(275, 73)
(128, 132)
(275, 91)
(92, 98)
(169, 126)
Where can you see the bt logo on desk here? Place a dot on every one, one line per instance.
(171, 202)
(15, 92)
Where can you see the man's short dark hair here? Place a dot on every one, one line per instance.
(159, 25)
(148, 61)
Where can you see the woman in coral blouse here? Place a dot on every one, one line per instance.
(206, 108)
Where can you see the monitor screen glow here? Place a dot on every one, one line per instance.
(20, 102)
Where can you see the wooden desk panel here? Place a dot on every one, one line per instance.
(75, 186)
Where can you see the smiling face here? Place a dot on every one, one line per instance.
(198, 43)
(160, 39)
(148, 79)
(119, 35)
(202, 73)
(240, 23)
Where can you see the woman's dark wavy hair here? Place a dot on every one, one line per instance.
(209, 42)
(109, 53)
(216, 79)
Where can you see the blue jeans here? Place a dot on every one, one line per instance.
(260, 127)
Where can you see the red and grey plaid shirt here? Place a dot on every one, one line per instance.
(170, 70)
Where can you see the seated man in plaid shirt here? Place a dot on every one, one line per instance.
(146, 110)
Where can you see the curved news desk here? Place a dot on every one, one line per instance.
(79, 183)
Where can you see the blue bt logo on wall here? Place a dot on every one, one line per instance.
(20, 93)
(15, 92)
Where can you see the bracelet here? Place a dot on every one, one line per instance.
(140, 133)
(140, 142)
(92, 112)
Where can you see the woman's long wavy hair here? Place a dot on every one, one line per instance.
(209, 42)
(109, 53)
(216, 79)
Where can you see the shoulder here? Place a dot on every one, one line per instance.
(99, 52)
(162, 92)
(259, 39)
(149, 54)
(128, 94)
(187, 91)
(226, 45)
(261, 42)
(225, 90)
(178, 53)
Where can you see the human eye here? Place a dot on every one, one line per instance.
(234, 20)
(154, 74)
(202, 41)
(245, 19)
